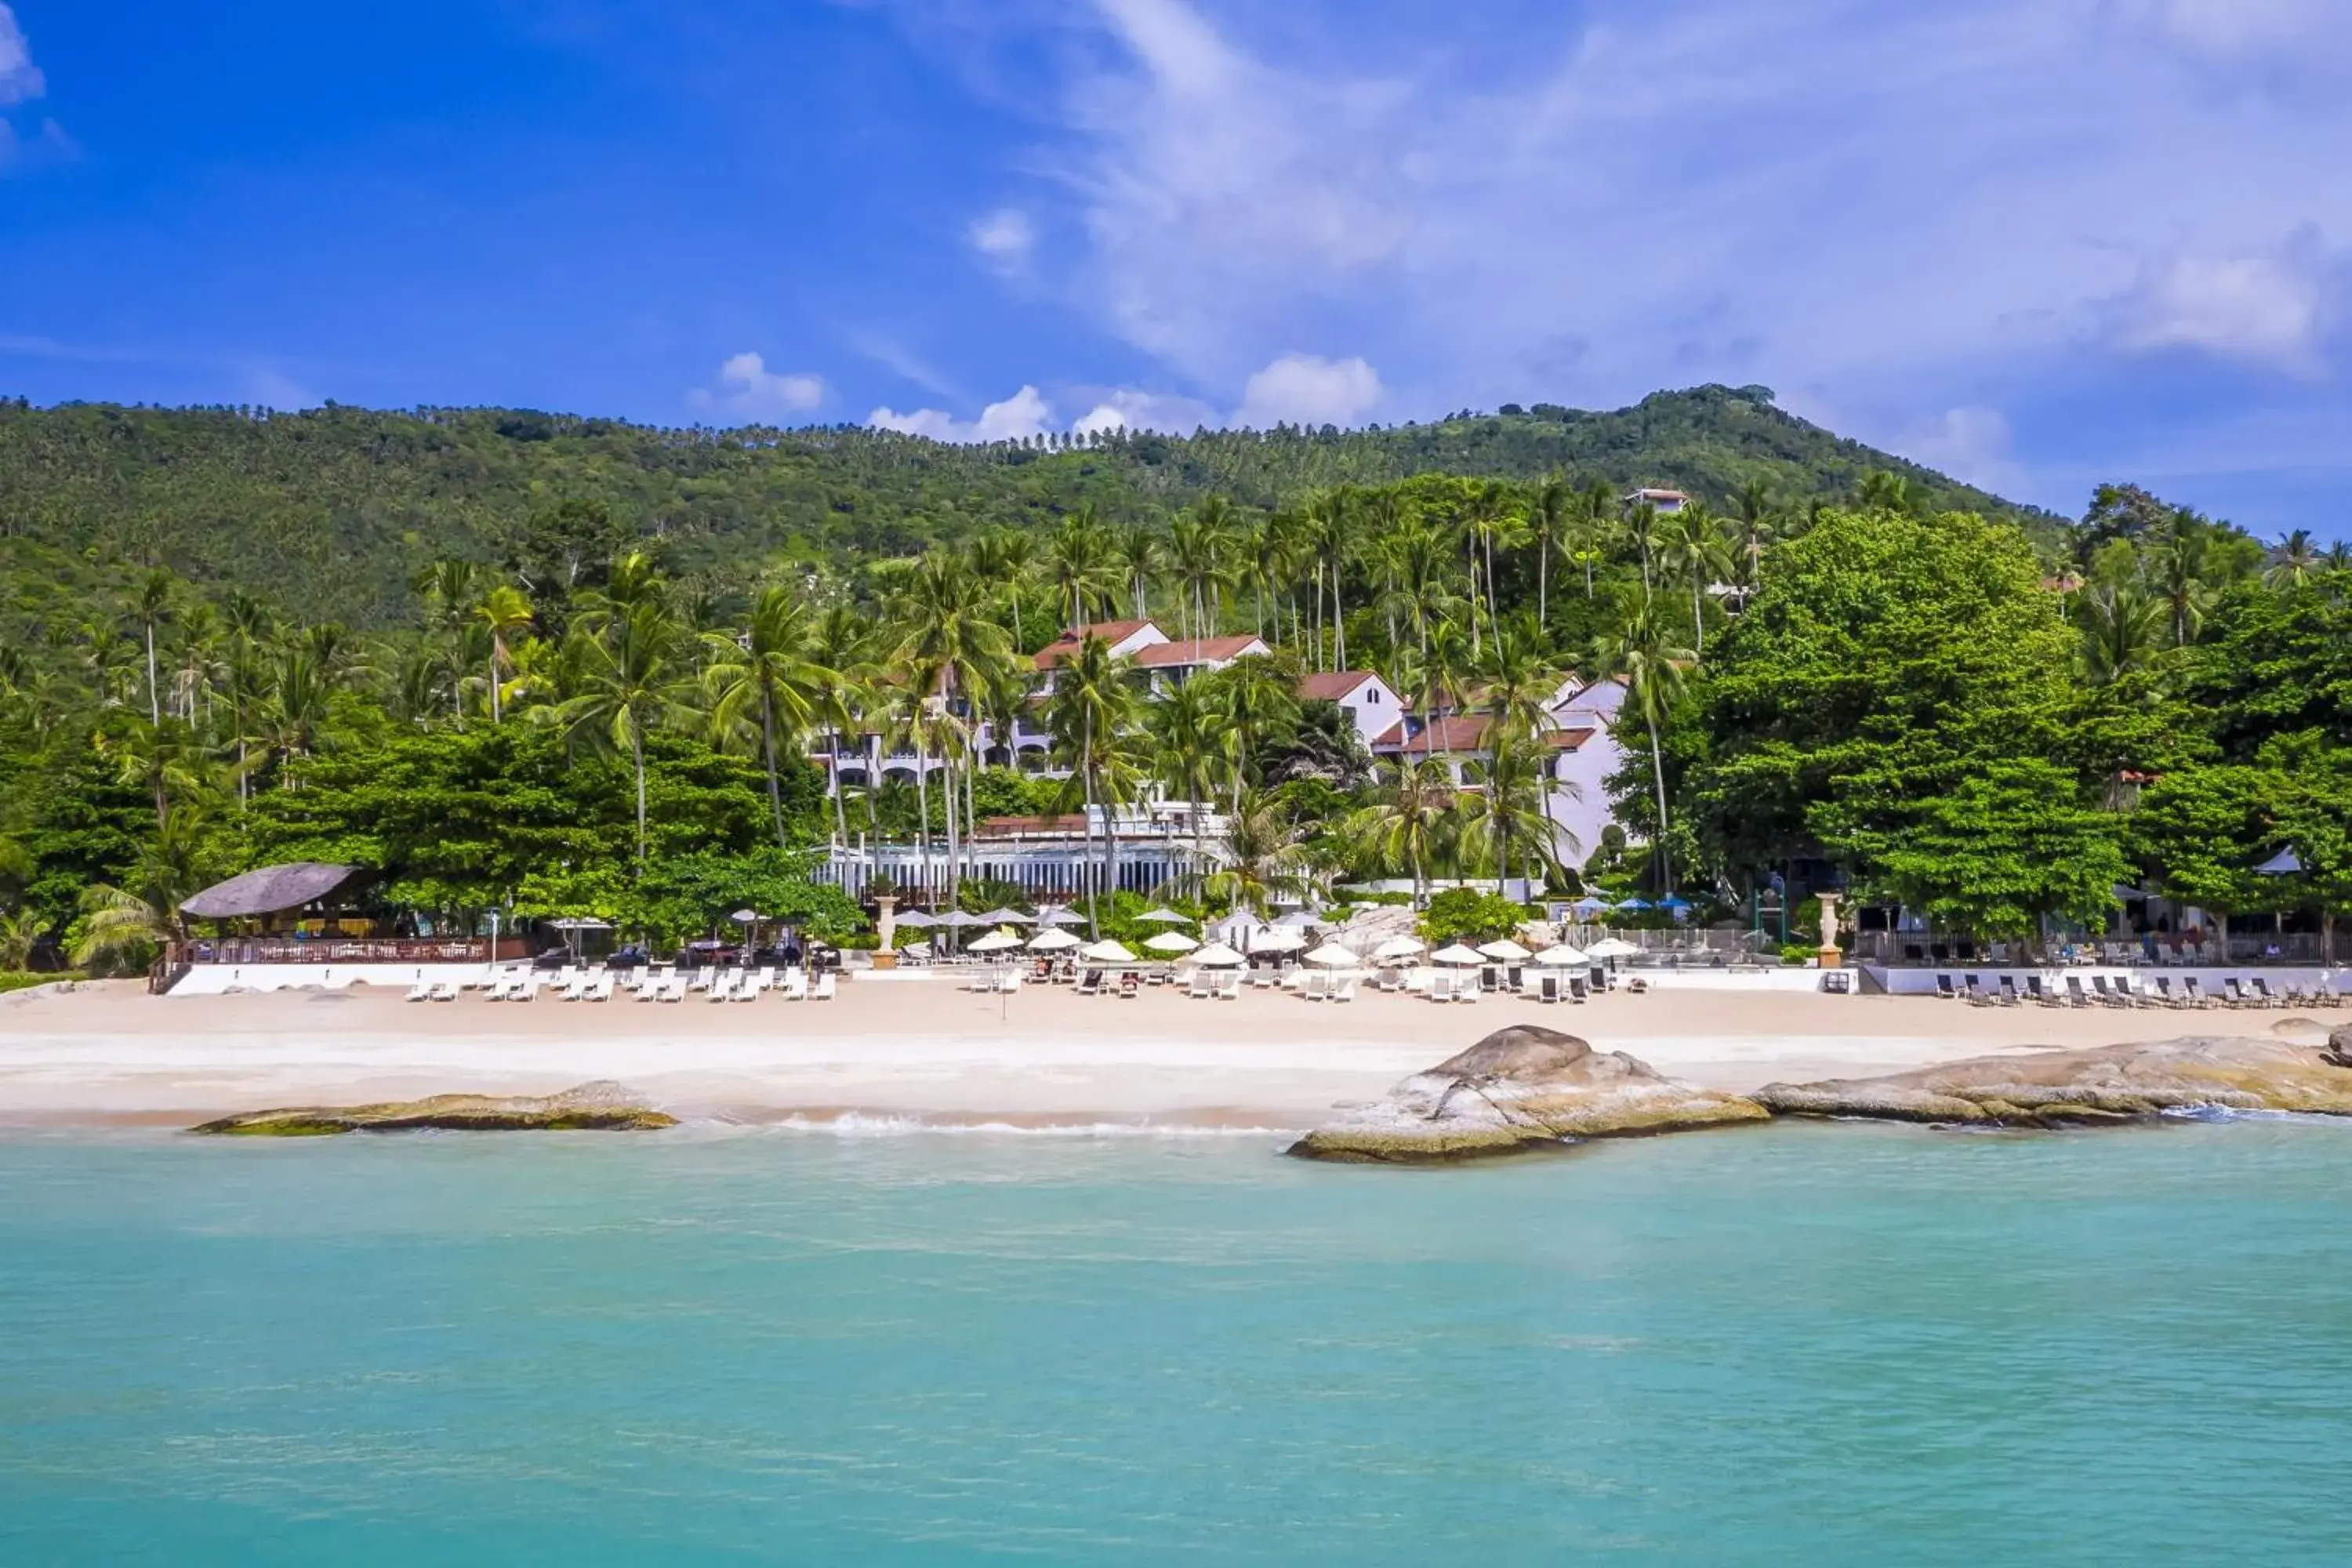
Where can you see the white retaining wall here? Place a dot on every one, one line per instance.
(220, 979)
(1906, 980)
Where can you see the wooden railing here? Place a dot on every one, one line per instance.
(336, 950)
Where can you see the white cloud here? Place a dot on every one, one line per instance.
(2263, 307)
(1971, 443)
(20, 78)
(273, 388)
(1004, 239)
(1124, 409)
(1025, 414)
(750, 389)
(1304, 389)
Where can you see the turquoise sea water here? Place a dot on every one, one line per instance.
(1791, 1345)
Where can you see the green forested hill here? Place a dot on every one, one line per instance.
(328, 512)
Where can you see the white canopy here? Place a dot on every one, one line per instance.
(1217, 955)
(1165, 917)
(1007, 916)
(1053, 939)
(1332, 956)
(1277, 939)
(1505, 950)
(994, 942)
(1057, 915)
(1612, 947)
(1457, 954)
(1171, 941)
(1106, 951)
(1562, 957)
(1399, 947)
(1298, 919)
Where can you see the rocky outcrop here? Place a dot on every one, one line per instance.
(1520, 1088)
(2100, 1085)
(602, 1107)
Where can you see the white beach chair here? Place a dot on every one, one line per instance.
(795, 986)
(1203, 984)
(420, 991)
(600, 989)
(823, 990)
(747, 989)
(1440, 987)
(1009, 981)
(445, 991)
(1318, 987)
(722, 989)
(1229, 985)
(1465, 989)
(1343, 988)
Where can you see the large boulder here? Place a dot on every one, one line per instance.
(1519, 1089)
(601, 1107)
(2100, 1084)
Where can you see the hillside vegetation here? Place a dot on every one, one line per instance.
(329, 513)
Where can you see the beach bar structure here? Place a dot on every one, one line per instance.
(304, 912)
(1044, 857)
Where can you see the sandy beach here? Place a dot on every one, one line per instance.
(110, 1053)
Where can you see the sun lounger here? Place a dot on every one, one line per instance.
(1201, 984)
(1318, 987)
(420, 992)
(602, 991)
(794, 988)
(824, 989)
(1976, 996)
(1578, 990)
(1009, 981)
(1343, 988)
(1091, 983)
(2076, 995)
(1466, 988)
(1946, 989)
(1229, 985)
(1130, 983)
(2008, 997)
(2197, 996)
(444, 991)
(1440, 987)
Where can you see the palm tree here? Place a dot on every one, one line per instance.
(1005, 557)
(1641, 527)
(1758, 525)
(1330, 520)
(1488, 517)
(2178, 573)
(953, 650)
(626, 686)
(1263, 859)
(1092, 712)
(1694, 546)
(1185, 747)
(1198, 550)
(447, 585)
(502, 613)
(154, 608)
(1551, 522)
(2123, 632)
(1638, 653)
(1080, 565)
(1256, 700)
(1138, 556)
(1508, 813)
(1420, 573)
(2294, 559)
(124, 921)
(20, 931)
(296, 707)
(772, 674)
(1409, 822)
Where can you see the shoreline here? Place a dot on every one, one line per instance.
(109, 1054)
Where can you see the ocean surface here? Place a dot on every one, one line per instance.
(1819, 1345)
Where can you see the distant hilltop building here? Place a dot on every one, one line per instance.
(1665, 503)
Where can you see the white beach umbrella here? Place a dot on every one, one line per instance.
(1331, 955)
(1057, 916)
(994, 942)
(1106, 951)
(1298, 919)
(1277, 939)
(1612, 947)
(1008, 917)
(1164, 916)
(915, 920)
(1052, 940)
(1457, 954)
(1217, 955)
(1505, 950)
(1171, 942)
(1399, 947)
(1562, 957)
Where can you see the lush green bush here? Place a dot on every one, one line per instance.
(1472, 916)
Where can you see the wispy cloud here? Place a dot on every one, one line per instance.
(20, 78)
(1004, 239)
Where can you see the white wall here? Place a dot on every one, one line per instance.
(1906, 980)
(219, 979)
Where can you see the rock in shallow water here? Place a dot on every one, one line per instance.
(601, 1107)
(1519, 1089)
(2102, 1084)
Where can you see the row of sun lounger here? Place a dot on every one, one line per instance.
(645, 985)
(2252, 992)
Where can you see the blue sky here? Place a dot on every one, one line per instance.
(2037, 243)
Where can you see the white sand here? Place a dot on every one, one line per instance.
(112, 1052)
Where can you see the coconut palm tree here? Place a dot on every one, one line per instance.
(626, 685)
(1255, 700)
(952, 649)
(152, 608)
(1333, 519)
(1642, 528)
(1410, 822)
(1005, 558)
(1139, 551)
(1693, 547)
(2177, 573)
(1093, 714)
(1199, 550)
(1758, 525)
(1262, 858)
(1185, 751)
(123, 921)
(1551, 523)
(1080, 565)
(2294, 559)
(768, 681)
(2123, 632)
(1641, 654)
(503, 613)
(1508, 814)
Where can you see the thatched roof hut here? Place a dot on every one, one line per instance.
(271, 890)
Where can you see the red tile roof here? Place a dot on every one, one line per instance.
(1196, 650)
(1112, 632)
(1330, 685)
(996, 827)
(1569, 740)
(1457, 733)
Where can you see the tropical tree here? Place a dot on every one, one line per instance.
(154, 608)
(1093, 714)
(769, 679)
(1199, 547)
(2294, 560)
(1264, 857)
(123, 921)
(1140, 547)
(1410, 821)
(1692, 546)
(627, 684)
(2123, 632)
(1080, 565)
(1551, 524)
(503, 613)
(1642, 653)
